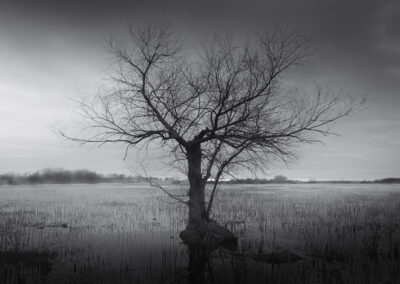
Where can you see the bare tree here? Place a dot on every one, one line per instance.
(217, 109)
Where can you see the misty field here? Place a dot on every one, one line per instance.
(113, 233)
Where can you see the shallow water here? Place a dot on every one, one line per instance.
(115, 233)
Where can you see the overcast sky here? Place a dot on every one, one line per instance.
(51, 51)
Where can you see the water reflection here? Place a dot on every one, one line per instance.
(200, 266)
(198, 260)
(25, 266)
(158, 258)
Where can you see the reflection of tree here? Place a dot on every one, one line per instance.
(198, 259)
(200, 267)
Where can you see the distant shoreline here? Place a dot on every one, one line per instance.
(379, 181)
(182, 182)
(61, 176)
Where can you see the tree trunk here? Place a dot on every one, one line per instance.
(201, 231)
(197, 204)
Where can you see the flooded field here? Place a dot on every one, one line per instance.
(113, 233)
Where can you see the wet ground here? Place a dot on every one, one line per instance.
(314, 233)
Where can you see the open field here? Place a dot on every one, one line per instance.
(112, 233)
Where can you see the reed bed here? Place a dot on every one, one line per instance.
(113, 233)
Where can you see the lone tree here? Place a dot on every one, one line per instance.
(217, 109)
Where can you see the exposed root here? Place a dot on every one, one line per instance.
(208, 235)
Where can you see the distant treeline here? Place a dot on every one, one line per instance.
(383, 180)
(61, 176)
(387, 180)
(276, 179)
(283, 179)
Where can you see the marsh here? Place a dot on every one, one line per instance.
(121, 233)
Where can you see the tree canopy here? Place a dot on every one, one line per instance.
(224, 96)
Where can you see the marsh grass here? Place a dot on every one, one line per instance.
(129, 234)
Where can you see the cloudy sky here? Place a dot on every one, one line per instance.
(52, 51)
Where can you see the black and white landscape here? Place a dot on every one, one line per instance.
(202, 142)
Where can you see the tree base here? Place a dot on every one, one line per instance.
(208, 235)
